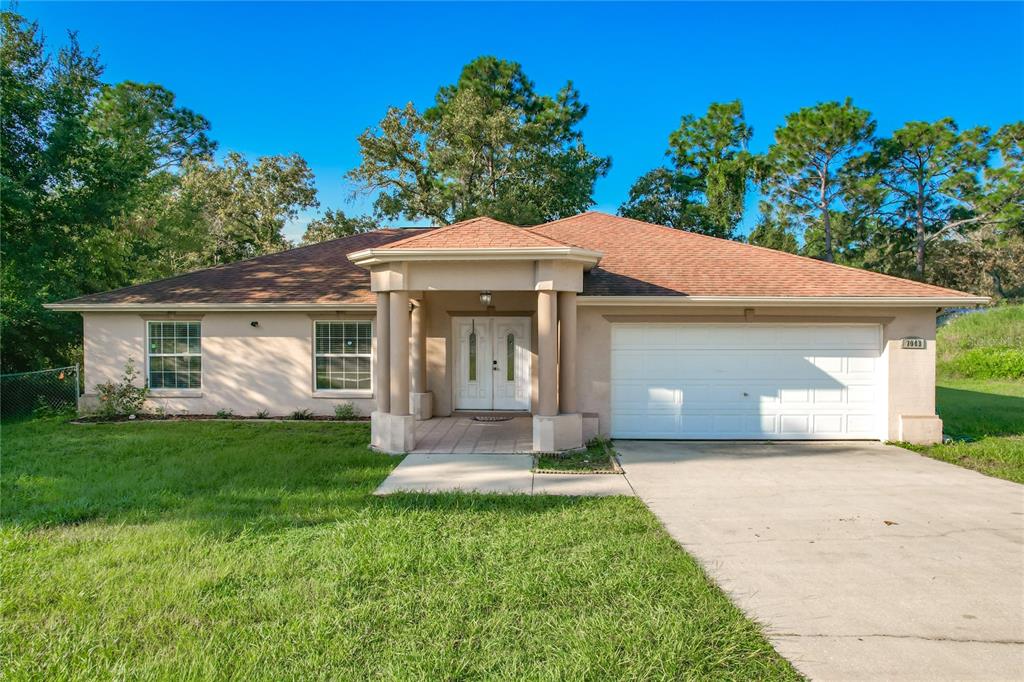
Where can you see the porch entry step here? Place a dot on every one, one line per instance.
(462, 434)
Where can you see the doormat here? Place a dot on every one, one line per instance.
(492, 419)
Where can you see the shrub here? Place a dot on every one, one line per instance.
(263, 414)
(122, 397)
(345, 411)
(988, 363)
(225, 413)
(301, 415)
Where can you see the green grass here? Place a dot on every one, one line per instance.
(989, 416)
(256, 551)
(596, 457)
(986, 345)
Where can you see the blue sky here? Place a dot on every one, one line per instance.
(308, 78)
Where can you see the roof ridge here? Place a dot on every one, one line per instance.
(686, 234)
(403, 243)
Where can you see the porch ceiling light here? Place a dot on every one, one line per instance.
(485, 298)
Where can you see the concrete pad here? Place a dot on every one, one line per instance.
(586, 485)
(431, 473)
(862, 561)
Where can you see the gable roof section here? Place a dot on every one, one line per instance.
(641, 259)
(318, 274)
(477, 233)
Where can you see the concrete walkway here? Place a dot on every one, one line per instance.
(862, 561)
(436, 473)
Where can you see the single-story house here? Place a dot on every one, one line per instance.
(591, 324)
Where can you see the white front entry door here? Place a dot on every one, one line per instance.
(492, 363)
(762, 381)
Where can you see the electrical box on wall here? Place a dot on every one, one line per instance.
(914, 343)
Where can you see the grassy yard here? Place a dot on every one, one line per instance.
(256, 551)
(987, 419)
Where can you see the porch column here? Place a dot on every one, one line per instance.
(399, 353)
(547, 353)
(382, 380)
(420, 400)
(567, 352)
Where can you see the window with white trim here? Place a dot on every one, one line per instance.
(342, 355)
(174, 355)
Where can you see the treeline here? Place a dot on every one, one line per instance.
(105, 185)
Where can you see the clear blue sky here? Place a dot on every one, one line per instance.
(308, 78)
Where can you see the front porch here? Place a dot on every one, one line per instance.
(463, 434)
(478, 316)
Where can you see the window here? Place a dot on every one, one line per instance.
(510, 357)
(175, 357)
(342, 354)
(472, 355)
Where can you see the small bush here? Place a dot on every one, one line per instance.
(345, 411)
(263, 414)
(225, 413)
(122, 397)
(988, 363)
(301, 415)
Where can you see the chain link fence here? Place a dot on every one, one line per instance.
(47, 391)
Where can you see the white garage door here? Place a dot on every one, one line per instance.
(746, 381)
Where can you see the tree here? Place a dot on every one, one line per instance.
(774, 230)
(244, 207)
(809, 169)
(75, 157)
(916, 174)
(334, 225)
(705, 189)
(490, 145)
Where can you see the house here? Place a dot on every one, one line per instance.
(591, 324)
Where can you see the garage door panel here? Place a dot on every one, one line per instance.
(744, 381)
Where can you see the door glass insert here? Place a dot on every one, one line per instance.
(472, 356)
(510, 359)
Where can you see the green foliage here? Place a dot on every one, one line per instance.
(125, 397)
(334, 225)
(257, 550)
(345, 411)
(301, 415)
(809, 169)
(263, 414)
(774, 230)
(705, 189)
(985, 345)
(490, 145)
(225, 413)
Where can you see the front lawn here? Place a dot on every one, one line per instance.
(986, 420)
(256, 551)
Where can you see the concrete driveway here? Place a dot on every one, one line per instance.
(861, 560)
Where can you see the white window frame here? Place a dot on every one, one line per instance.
(344, 392)
(169, 390)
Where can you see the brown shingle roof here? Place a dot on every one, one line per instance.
(477, 233)
(320, 273)
(641, 259)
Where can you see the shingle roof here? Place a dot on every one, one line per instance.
(320, 273)
(641, 259)
(476, 233)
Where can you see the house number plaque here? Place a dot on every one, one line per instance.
(913, 343)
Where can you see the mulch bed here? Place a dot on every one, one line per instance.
(95, 419)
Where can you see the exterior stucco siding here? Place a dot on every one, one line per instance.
(245, 369)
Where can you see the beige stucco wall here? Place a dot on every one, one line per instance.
(911, 373)
(269, 367)
(245, 369)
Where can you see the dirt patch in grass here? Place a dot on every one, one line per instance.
(597, 458)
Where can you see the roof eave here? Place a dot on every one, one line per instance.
(781, 301)
(204, 307)
(369, 257)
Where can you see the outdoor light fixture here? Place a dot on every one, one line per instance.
(485, 298)
(255, 323)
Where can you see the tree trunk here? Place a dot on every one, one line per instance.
(826, 218)
(919, 255)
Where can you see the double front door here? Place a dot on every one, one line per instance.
(492, 363)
